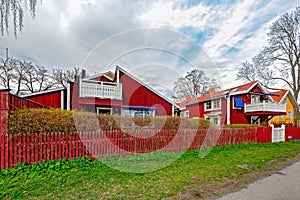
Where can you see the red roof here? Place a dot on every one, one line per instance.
(240, 89)
(280, 93)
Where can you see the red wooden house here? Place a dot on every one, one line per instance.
(244, 104)
(109, 93)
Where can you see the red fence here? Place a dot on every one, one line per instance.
(32, 148)
(292, 133)
(16, 102)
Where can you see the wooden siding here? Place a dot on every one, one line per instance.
(237, 116)
(196, 110)
(135, 94)
(51, 99)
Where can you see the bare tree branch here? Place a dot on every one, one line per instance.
(194, 84)
(280, 60)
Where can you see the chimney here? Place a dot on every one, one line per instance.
(187, 98)
(83, 73)
(211, 90)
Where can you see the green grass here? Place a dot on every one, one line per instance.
(83, 179)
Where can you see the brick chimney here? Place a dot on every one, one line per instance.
(211, 90)
(187, 98)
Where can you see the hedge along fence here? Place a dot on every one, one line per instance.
(56, 120)
(30, 148)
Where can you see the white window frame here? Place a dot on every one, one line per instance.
(213, 105)
(132, 113)
(255, 98)
(185, 114)
(103, 108)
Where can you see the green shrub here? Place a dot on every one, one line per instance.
(56, 120)
(241, 125)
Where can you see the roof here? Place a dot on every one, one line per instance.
(281, 94)
(42, 92)
(109, 75)
(146, 86)
(241, 89)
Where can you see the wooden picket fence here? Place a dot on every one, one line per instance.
(31, 148)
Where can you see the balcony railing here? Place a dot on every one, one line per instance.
(265, 107)
(99, 89)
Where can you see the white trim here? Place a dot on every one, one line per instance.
(228, 99)
(68, 96)
(41, 92)
(62, 103)
(212, 105)
(146, 86)
(118, 76)
(173, 110)
(100, 75)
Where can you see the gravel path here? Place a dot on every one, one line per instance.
(284, 184)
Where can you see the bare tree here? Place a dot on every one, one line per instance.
(194, 84)
(280, 60)
(7, 67)
(19, 75)
(16, 9)
(61, 77)
(37, 78)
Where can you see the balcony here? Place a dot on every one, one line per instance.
(99, 89)
(265, 107)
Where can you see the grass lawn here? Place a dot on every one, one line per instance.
(82, 179)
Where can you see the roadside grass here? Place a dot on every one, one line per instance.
(83, 179)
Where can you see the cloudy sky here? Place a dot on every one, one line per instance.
(155, 40)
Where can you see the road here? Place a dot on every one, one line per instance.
(284, 184)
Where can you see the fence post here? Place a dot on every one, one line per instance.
(283, 132)
(272, 136)
(4, 108)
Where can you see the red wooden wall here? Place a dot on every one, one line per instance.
(196, 110)
(50, 99)
(135, 94)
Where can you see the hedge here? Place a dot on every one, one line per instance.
(56, 120)
(241, 125)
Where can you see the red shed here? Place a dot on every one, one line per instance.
(53, 98)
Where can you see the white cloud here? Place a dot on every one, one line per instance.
(64, 32)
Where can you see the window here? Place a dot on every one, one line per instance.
(216, 104)
(284, 100)
(255, 120)
(280, 117)
(185, 113)
(215, 119)
(103, 110)
(208, 105)
(138, 112)
(255, 98)
(213, 105)
(238, 103)
(289, 114)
